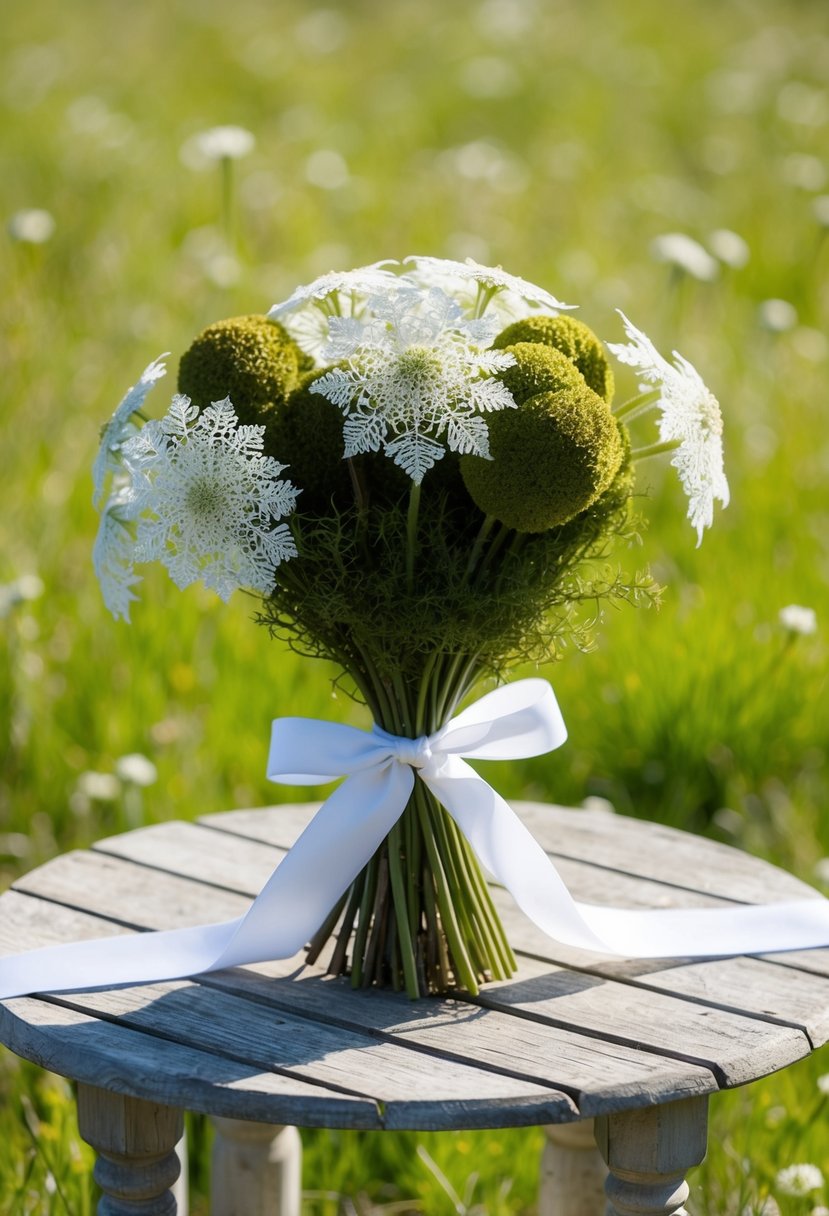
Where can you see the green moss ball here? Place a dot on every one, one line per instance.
(538, 369)
(552, 458)
(573, 338)
(251, 360)
(306, 433)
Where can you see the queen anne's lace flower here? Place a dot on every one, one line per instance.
(690, 415)
(198, 495)
(509, 288)
(366, 280)
(414, 372)
(120, 427)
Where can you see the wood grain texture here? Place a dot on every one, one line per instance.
(572, 1034)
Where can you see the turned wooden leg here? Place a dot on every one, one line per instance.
(256, 1169)
(648, 1153)
(136, 1146)
(572, 1172)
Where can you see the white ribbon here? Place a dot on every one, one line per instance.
(511, 723)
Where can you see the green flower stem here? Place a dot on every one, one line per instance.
(486, 527)
(368, 887)
(226, 171)
(325, 930)
(462, 966)
(402, 913)
(655, 449)
(411, 534)
(637, 405)
(490, 922)
(338, 957)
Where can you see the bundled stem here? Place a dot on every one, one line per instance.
(419, 917)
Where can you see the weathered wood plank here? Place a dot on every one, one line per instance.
(736, 1048)
(108, 886)
(631, 846)
(598, 1074)
(348, 1061)
(594, 1073)
(190, 850)
(236, 1030)
(796, 998)
(115, 1057)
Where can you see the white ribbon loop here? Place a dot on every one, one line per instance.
(519, 720)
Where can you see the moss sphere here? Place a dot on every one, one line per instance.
(305, 432)
(251, 360)
(551, 459)
(538, 369)
(573, 338)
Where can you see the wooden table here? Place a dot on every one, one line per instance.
(636, 1047)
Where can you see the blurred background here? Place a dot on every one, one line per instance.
(671, 161)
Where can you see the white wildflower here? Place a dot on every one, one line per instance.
(686, 254)
(207, 498)
(729, 247)
(765, 1207)
(777, 315)
(120, 426)
(490, 281)
(216, 144)
(197, 494)
(799, 1179)
(367, 280)
(823, 1083)
(32, 226)
(690, 416)
(113, 555)
(414, 372)
(99, 787)
(135, 769)
(798, 619)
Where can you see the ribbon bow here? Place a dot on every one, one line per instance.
(513, 722)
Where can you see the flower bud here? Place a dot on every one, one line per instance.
(552, 457)
(573, 338)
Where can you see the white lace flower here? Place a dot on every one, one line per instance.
(491, 281)
(367, 280)
(113, 555)
(690, 415)
(414, 373)
(120, 426)
(799, 1179)
(198, 495)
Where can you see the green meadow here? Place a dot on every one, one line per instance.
(560, 140)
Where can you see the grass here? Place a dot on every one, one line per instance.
(558, 140)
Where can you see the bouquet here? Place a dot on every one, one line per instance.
(420, 471)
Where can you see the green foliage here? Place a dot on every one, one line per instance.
(573, 338)
(251, 360)
(551, 459)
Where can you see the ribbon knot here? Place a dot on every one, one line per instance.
(416, 753)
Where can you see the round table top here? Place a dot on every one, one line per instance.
(572, 1035)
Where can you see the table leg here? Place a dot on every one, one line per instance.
(136, 1146)
(648, 1153)
(572, 1172)
(256, 1169)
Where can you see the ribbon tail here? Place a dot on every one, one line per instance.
(517, 861)
(292, 905)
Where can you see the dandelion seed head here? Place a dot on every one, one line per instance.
(798, 619)
(32, 226)
(205, 148)
(799, 1180)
